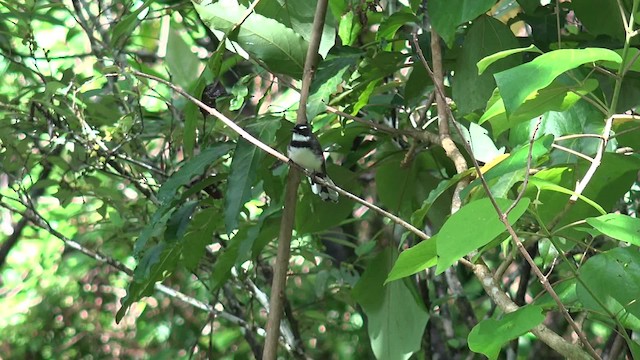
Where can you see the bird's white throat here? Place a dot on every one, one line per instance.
(299, 137)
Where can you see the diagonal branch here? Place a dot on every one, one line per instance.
(271, 151)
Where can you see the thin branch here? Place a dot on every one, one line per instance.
(595, 163)
(417, 134)
(572, 152)
(577, 136)
(527, 170)
(269, 150)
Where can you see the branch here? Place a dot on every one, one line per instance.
(444, 111)
(595, 163)
(291, 195)
(271, 151)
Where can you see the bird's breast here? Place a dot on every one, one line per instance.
(305, 158)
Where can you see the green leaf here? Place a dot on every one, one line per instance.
(418, 216)
(349, 28)
(277, 46)
(396, 318)
(182, 62)
(473, 226)
(298, 15)
(330, 75)
(167, 193)
(179, 221)
(555, 97)
(157, 264)
(486, 36)
(609, 183)
(618, 226)
(488, 60)
(191, 168)
(415, 259)
(198, 236)
(600, 17)
(127, 24)
(242, 174)
(520, 82)
(446, 15)
(611, 284)
(490, 335)
(389, 26)
(240, 248)
(401, 187)
(545, 185)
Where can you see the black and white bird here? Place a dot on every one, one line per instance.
(306, 151)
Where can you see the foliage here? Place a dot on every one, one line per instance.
(136, 227)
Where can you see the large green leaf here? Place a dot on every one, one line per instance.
(330, 75)
(157, 263)
(611, 284)
(582, 118)
(520, 82)
(280, 48)
(488, 60)
(168, 191)
(600, 17)
(242, 174)
(446, 15)
(485, 37)
(473, 226)
(396, 317)
(490, 335)
(349, 28)
(618, 226)
(555, 97)
(182, 62)
(401, 187)
(414, 259)
(239, 248)
(297, 15)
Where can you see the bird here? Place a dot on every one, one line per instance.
(306, 151)
(210, 95)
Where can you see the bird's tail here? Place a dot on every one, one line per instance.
(324, 192)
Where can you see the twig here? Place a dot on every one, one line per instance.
(572, 152)
(417, 134)
(527, 170)
(595, 163)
